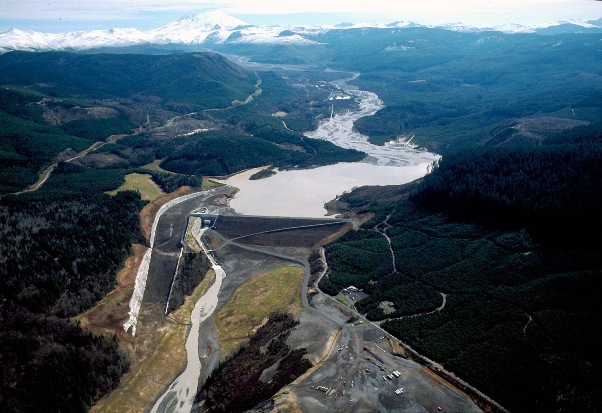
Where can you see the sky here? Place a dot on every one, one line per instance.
(73, 15)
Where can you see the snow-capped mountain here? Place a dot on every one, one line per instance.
(459, 27)
(212, 27)
(217, 27)
(27, 40)
(404, 24)
(195, 29)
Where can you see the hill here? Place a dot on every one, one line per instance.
(54, 105)
(201, 80)
(455, 89)
(486, 269)
(61, 103)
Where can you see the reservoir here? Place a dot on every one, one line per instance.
(302, 193)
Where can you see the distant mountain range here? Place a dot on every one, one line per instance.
(217, 27)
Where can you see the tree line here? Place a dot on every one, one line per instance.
(555, 189)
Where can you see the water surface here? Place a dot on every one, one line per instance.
(303, 193)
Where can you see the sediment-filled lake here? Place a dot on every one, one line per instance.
(302, 193)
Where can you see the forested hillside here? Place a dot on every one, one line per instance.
(200, 80)
(54, 105)
(62, 245)
(236, 385)
(30, 139)
(495, 270)
(555, 190)
(61, 103)
(455, 89)
(59, 256)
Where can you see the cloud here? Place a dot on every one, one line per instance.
(96, 9)
(379, 6)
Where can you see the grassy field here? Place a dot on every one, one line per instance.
(149, 191)
(164, 360)
(154, 166)
(253, 301)
(343, 300)
(207, 184)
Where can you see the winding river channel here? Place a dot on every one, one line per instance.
(338, 129)
(300, 193)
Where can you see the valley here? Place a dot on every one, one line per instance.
(246, 246)
(347, 219)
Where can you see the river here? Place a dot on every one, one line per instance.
(179, 397)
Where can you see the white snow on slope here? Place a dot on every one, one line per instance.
(217, 27)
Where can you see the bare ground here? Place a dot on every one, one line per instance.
(351, 374)
(338, 349)
(148, 213)
(350, 377)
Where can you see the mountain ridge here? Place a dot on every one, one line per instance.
(217, 27)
